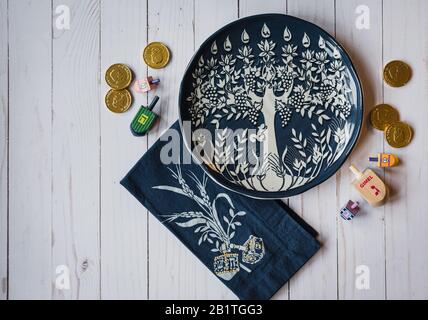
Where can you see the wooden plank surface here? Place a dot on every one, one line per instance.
(252, 7)
(4, 157)
(406, 212)
(318, 207)
(30, 145)
(171, 266)
(76, 150)
(60, 198)
(123, 219)
(361, 243)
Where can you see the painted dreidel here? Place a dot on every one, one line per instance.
(369, 185)
(350, 210)
(385, 160)
(253, 250)
(145, 85)
(144, 119)
(226, 266)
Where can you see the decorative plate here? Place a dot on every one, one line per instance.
(271, 105)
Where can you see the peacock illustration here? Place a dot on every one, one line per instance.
(265, 81)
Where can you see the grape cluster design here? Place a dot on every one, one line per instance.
(211, 95)
(241, 102)
(287, 81)
(284, 112)
(326, 91)
(345, 109)
(297, 100)
(253, 115)
(250, 81)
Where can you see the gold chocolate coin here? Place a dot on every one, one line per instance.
(156, 55)
(118, 101)
(398, 134)
(382, 115)
(119, 76)
(397, 73)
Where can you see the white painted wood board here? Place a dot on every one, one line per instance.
(63, 154)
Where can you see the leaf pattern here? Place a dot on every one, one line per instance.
(304, 79)
(218, 234)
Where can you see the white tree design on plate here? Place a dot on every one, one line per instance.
(261, 83)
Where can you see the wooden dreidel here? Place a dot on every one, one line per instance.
(385, 160)
(369, 185)
(145, 85)
(144, 119)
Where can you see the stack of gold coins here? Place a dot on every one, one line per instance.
(119, 78)
(384, 117)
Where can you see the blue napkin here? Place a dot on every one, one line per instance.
(252, 246)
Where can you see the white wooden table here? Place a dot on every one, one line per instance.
(62, 153)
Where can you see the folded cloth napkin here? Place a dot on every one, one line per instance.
(253, 246)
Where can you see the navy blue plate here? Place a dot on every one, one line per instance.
(273, 104)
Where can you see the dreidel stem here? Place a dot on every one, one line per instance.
(357, 173)
(153, 103)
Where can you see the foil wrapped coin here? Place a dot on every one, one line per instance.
(397, 73)
(118, 76)
(398, 134)
(118, 101)
(156, 55)
(383, 115)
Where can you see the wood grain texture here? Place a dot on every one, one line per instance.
(318, 206)
(4, 157)
(30, 139)
(252, 7)
(123, 219)
(361, 242)
(406, 215)
(76, 150)
(62, 153)
(211, 16)
(172, 267)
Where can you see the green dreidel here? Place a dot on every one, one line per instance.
(144, 119)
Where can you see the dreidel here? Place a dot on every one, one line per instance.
(369, 185)
(144, 119)
(385, 160)
(350, 210)
(146, 84)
